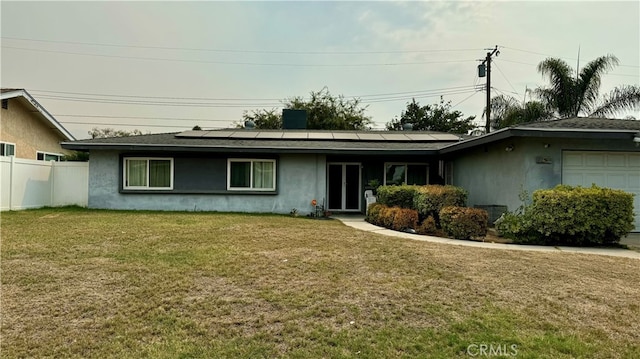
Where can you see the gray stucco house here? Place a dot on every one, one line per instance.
(496, 167)
(276, 171)
(256, 170)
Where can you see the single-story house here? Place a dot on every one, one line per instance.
(277, 171)
(256, 170)
(29, 131)
(497, 167)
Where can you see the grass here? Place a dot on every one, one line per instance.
(88, 283)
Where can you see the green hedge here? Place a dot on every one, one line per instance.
(576, 216)
(463, 222)
(430, 199)
(397, 196)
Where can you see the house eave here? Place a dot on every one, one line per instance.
(32, 102)
(229, 149)
(570, 133)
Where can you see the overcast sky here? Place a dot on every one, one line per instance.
(167, 66)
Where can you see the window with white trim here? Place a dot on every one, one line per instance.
(7, 149)
(47, 156)
(405, 173)
(147, 173)
(251, 174)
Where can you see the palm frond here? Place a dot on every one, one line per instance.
(589, 80)
(620, 99)
(561, 94)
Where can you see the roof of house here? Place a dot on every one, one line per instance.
(28, 100)
(577, 127)
(276, 141)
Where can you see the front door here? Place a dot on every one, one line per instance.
(343, 186)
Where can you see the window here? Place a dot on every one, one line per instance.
(148, 173)
(405, 173)
(251, 175)
(5, 103)
(46, 156)
(7, 149)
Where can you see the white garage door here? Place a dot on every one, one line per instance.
(619, 170)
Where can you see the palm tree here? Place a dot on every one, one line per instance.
(506, 111)
(570, 96)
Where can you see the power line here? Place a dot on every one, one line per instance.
(141, 118)
(237, 63)
(241, 51)
(124, 124)
(543, 54)
(505, 77)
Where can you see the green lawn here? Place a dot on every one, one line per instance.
(84, 283)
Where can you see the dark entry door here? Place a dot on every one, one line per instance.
(343, 185)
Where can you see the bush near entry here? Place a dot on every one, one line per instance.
(430, 199)
(397, 196)
(463, 222)
(575, 216)
(396, 218)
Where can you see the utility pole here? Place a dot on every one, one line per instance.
(481, 67)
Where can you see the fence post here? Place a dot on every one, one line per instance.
(11, 174)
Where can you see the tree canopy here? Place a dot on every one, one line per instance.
(110, 132)
(436, 117)
(573, 93)
(570, 93)
(324, 112)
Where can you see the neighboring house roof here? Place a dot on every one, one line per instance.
(28, 100)
(276, 141)
(577, 127)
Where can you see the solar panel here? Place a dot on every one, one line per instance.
(294, 135)
(421, 137)
(370, 136)
(394, 136)
(244, 134)
(218, 134)
(191, 134)
(445, 137)
(345, 136)
(320, 136)
(271, 135)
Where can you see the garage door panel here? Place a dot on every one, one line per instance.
(616, 160)
(594, 159)
(618, 170)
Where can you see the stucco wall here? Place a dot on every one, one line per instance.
(494, 176)
(25, 127)
(301, 178)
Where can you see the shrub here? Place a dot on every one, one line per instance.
(395, 218)
(397, 196)
(373, 213)
(575, 216)
(428, 226)
(430, 199)
(463, 222)
(404, 219)
(387, 215)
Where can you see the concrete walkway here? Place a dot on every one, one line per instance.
(358, 222)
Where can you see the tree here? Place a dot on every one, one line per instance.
(110, 132)
(328, 112)
(324, 112)
(196, 128)
(436, 117)
(263, 119)
(571, 94)
(506, 111)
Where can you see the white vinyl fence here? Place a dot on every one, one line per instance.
(31, 184)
